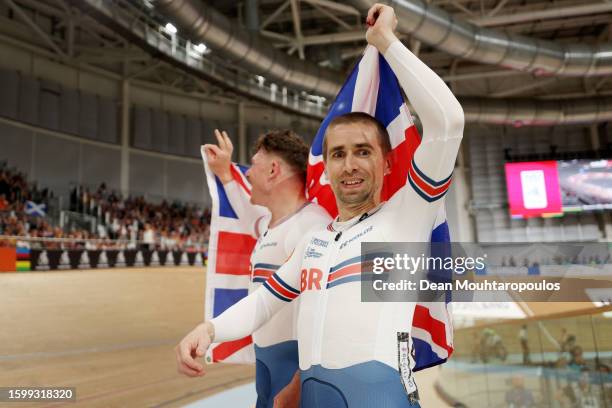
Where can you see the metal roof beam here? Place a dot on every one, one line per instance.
(552, 13)
(34, 27)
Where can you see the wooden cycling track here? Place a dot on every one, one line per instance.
(110, 333)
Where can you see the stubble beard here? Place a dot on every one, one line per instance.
(354, 200)
(362, 199)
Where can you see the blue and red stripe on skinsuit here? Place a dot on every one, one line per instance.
(344, 272)
(350, 270)
(281, 289)
(263, 271)
(430, 190)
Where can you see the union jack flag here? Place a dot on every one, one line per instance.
(228, 274)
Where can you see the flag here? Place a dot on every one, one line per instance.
(373, 88)
(38, 210)
(227, 275)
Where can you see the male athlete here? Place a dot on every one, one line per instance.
(355, 354)
(281, 215)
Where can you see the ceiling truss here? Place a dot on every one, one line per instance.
(330, 33)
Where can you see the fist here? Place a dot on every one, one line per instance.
(219, 157)
(193, 346)
(381, 22)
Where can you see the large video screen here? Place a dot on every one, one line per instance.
(585, 184)
(551, 188)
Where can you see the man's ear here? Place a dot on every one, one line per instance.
(388, 164)
(275, 168)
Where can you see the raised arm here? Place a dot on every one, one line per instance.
(219, 159)
(439, 111)
(244, 317)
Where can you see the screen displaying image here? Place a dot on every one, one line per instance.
(585, 184)
(533, 189)
(533, 186)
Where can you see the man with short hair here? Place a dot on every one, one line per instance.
(281, 215)
(356, 354)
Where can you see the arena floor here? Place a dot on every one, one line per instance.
(111, 333)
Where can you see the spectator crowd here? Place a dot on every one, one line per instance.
(131, 222)
(15, 192)
(164, 225)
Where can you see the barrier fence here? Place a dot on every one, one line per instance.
(78, 254)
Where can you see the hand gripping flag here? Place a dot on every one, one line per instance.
(373, 88)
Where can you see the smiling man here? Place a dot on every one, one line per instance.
(356, 354)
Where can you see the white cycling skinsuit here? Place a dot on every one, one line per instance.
(355, 354)
(276, 349)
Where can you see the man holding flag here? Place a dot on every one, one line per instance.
(350, 351)
(277, 215)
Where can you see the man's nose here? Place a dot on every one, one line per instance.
(350, 164)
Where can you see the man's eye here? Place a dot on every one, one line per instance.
(363, 153)
(337, 155)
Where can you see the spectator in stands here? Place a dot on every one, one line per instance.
(577, 361)
(567, 341)
(84, 207)
(102, 231)
(562, 371)
(518, 396)
(148, 237)
(3, 202)
(133, 231)
(115, 229)
(178, 220)
(123, 231)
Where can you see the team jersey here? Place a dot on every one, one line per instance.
(335, 329)
(273, 248)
